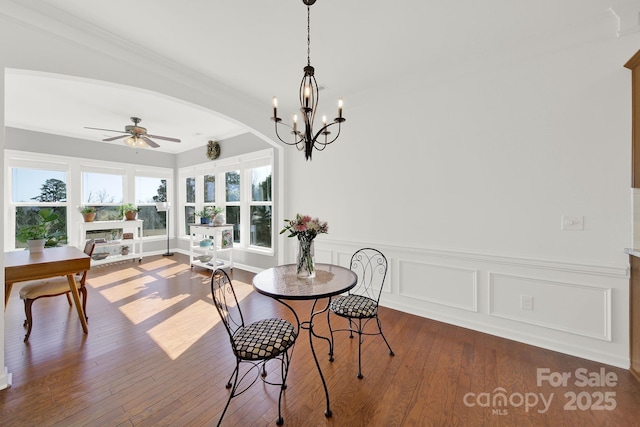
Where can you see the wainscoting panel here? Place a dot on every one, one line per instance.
(440, 284)
(577, 309)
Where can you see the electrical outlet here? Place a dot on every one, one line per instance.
(526, 302)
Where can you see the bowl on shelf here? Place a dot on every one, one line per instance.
(205, 258)
(100, 256)
(206, 242)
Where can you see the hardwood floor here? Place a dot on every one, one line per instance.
(156, 354)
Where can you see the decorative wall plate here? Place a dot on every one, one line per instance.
(213, 150)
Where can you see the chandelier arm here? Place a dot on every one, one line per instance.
(296, 142)
(323, 130)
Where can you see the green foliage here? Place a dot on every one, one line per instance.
(128, 207)
(209, 212)
(162, 192)
(45, 222)
(53, 190)
(88, 209)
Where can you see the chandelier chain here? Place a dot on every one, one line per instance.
(308, 35)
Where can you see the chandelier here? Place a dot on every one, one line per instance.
(306, 139)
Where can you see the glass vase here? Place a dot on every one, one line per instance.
(306, 268)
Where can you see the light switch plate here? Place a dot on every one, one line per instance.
(572, 223)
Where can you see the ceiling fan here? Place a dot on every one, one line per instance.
(137, 135)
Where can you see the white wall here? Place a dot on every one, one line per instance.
(460, 177)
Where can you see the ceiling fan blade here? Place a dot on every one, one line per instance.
(149, 142)
(113, 138)
(164, 138)
(108, 130)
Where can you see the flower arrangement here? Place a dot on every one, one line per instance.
(305, 229)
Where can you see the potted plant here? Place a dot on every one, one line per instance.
(88, 213)
(124, 250)
(39, 235)
(216, 216)
(205, 215)
(129, 211)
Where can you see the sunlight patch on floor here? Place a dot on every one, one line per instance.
(176, 334)
(127, 289)
(143, 308)
(173, 271)
(117, 276)
(163, 262)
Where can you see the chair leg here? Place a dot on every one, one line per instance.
(391, 353)
(29, 321)
(83, 291)
(232, 394)
(331, 332)
(359, 348)
(285, 372)
(68, 295)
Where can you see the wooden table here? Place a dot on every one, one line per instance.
(281, 283)
(21, 266)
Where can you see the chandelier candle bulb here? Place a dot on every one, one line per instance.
(339, 108)
(275, 107)
(306, 96)
(295, 123)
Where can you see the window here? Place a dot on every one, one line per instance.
(232, 191)
(209, 188)
(190, 203)
(34, 193)
(105, 191)
(260, 206)
(150, 190)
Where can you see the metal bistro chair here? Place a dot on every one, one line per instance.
(254, 344)
(361, 303)
(53, 287)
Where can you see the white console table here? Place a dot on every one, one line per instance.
(222, 237)
(113, 246)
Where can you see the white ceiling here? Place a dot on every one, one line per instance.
(259, 48)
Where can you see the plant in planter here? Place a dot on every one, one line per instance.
(205, 215)
(88, 213)
(124, 250)
(39, 235)
(129, 211)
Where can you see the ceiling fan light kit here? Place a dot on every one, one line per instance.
(137, 136)
(306, 139)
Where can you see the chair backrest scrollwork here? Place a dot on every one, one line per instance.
(371, 267)
(226, 302)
